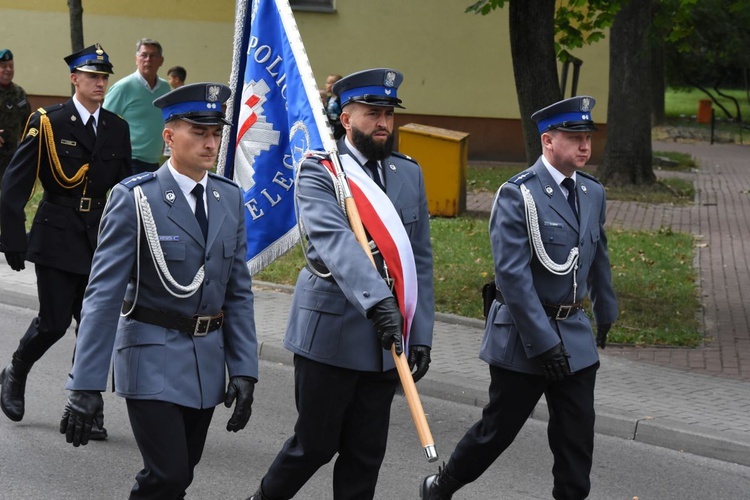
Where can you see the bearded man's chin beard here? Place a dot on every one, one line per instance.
(371, 149)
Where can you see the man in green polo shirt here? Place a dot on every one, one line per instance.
(132, 98)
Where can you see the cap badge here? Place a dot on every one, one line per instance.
(217, 195)
(585, 104)
(388, 91)
(169, 195)
(390, 78)
(548, 190)
(212, 93)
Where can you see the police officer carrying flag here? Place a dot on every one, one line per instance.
(171, 295)
(77, 151)
(550, 251)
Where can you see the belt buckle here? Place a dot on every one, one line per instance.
(563, 312)
(84, 205)
(202, 323)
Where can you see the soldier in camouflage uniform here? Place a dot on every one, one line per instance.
(14, 110)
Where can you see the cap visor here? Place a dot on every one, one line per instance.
(204, 120)
(578, 128)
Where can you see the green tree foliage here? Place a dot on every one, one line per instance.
(706, 45)
(577, 22)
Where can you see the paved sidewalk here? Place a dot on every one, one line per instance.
(682, 406)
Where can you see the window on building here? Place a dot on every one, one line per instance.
(313, 5)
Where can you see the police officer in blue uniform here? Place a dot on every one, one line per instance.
(169, 302)
(344, 317)
(550, 251)
(77, 151)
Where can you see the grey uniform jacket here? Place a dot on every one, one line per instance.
(328, 322)
(152, 362)
(520, 329)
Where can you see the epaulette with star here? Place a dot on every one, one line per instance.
(135, 180)
(405, 157)
(588, 176)
(218, 177)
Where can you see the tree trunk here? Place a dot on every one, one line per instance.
(627, 154)
(532, 46)
(75, 8)
(658, 85)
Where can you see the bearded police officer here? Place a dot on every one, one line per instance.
(550, 251)
(173, 246)
(77, 151)
(14, 109)
(344, 316)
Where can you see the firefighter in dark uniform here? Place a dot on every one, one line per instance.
(77, 151)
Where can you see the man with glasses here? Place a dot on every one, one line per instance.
(132, 98)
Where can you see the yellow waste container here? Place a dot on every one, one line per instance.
(704, 111)
(443, 155)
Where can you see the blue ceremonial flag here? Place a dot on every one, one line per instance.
(277, 117)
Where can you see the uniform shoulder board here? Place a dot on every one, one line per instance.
(50, 109)
(137, 179)
(405, 157)
(221, 178)
(524, 176)
(588, 176)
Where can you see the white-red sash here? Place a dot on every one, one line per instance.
(384, 225)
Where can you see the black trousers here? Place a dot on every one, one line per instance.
(171, 439)
(60, 300)
(340, 411)
(570, 432)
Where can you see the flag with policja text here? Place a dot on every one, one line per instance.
(274, 124)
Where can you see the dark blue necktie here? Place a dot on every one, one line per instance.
(200, 209)
(372, 166)
(570, 185)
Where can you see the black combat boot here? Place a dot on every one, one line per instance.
(439, 486)
(13, 380)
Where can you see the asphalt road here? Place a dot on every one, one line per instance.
(36, 463)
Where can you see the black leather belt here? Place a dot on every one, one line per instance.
(197, 326)
(558, 312)
(82, 204)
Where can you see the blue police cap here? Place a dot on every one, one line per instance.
(92, 59)
(569, 115)
(198, 103)
(6, 55)
(377, 87)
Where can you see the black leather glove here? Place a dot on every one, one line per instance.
(389, 323)
(601, 334)
(241, 389)
(419, 356)
(555, 363)
(16, 260)
(79, 415)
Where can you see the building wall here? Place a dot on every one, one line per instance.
(457, 66)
